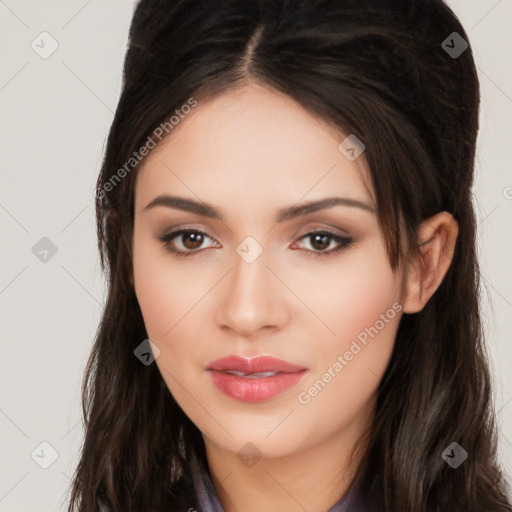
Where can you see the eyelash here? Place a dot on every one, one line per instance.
(344, 243)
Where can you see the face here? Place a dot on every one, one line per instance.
(262, 276)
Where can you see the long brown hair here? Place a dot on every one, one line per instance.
(382, 71)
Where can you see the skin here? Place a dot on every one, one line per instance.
(249, 153)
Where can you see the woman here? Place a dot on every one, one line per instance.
(285, 219)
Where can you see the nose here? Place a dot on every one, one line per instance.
(252, 300)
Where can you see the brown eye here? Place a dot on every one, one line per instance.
(192, 239)
(320, 241)
(184, 242)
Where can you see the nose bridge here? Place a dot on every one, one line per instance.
(250, 299)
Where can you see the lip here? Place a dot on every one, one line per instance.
(254, 365)
(254, 389)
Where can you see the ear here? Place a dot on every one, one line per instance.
(436, 244)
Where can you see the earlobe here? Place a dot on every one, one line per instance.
(437, 237)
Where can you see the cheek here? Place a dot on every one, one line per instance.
(370, 294)
(164, 294)
(351, 294)
(359, 302)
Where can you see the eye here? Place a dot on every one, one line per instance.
(190, 240)
(321, 240)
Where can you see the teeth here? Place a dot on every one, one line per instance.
(250, 375)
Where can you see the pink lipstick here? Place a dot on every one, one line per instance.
(254, 380)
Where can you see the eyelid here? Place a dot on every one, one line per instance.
(314, 227)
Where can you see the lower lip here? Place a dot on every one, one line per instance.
(254, 390)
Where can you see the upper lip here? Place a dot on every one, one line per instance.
(254, 365)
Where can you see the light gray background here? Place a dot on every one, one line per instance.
(55, 115)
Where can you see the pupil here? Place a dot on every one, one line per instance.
(197, 240)
(324, 241)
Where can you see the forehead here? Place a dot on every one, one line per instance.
(255, 143)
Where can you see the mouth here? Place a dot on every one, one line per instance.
(254, 380)
(256, 375)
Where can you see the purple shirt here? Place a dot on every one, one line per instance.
(207, 500)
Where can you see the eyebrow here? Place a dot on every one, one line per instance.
(206, 210)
